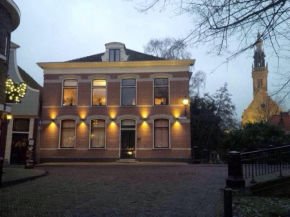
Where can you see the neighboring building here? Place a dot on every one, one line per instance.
(9, 21)
(114, 105)
(262, 107)
(282, 121)
(25, 114)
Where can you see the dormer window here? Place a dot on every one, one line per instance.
(114, 55)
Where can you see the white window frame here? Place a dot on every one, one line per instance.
(77, 94)
(169, 137)
(121, 88)
(90, 132)
(92, 87)
(168, 85)
(60, 129)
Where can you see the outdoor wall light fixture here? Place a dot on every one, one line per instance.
(185, 102)
(83, 120)
(144, 119)
(52, 120)
(176, 119)
(9, 118)
(112, 119)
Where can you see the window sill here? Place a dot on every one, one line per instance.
(97, 148)
(99, 105)
(66, 149)
(161, 148)
(160, 105)
(128, 105)
(69, 105)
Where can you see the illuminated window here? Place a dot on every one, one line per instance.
(161, 133)
(67, 139)
(114, 55)
(161, 91)
(128, 92)
(99, 92)
(98, 133)
(69, 92)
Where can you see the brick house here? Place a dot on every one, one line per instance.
(120, 104)
(9, 21)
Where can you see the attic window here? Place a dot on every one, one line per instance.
(114, 55)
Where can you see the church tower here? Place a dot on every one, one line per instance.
(262, 107)
(259, 68)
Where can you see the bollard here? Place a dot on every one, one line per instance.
(228, 203)
(235, 171)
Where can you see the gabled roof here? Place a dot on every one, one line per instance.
(133, 56)
(28, 79)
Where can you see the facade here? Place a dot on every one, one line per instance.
(120, 104)
(262, 107)
(282, 121)
(23, 126)
(9, 21)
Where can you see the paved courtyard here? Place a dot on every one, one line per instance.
(118, 190)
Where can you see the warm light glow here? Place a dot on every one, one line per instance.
(112, 113)
(185, 101)
(83, 114)
(15, 91)
(52, 114)
(9, 117)
(144, 112)
(129, 152)
(176, 112)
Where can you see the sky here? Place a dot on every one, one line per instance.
(61, 30)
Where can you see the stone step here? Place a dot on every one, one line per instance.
(127, 161)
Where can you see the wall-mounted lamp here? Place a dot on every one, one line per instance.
(9, 118)
(112, 119)
(185, 102)
(83, 120)
(176, 119)
(144, 119)
(52, 120)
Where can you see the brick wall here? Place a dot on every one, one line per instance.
(5, 27)
(179, 130)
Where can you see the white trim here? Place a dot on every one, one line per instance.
(121, 88)
(92, 87)
(168, 86)
(2, 57)
(90, 132)
(169, 130)
(93, 77)
(120, 135)
(77, 96)
(59, 139)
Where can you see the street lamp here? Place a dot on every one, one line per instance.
(185, 104)
(9, 118)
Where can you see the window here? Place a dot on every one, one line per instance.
(161, 91)
(7, 47)
(99, 92)
(69, 92)
(161, 133)
(67, 139)
(98, 133)
(21, 125)
(128, 92)
(114, 55)
(260, 83)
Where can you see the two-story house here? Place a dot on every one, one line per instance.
(119, 104)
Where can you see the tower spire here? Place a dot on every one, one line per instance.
(259, 55)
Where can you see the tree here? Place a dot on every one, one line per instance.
(167, 48)
(215, 21)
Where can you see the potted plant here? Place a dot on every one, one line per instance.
(100, 101)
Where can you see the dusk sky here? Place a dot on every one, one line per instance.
(61, 30)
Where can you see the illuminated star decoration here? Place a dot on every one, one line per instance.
(15, 91)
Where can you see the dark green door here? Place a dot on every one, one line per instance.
(128, 144)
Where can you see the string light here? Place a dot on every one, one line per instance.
(15, 91)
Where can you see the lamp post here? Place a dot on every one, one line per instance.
(185, 104)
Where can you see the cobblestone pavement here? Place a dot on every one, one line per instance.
(118, 190)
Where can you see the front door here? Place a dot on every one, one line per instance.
(18, 148)
(128, 144)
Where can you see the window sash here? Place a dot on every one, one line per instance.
(161, 134)
(99, 96)
(161, 95)
(69, 96)
(67, 139)
(128, 96)
(114, 55)
(98, 133)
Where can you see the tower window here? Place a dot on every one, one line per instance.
(260, 83)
